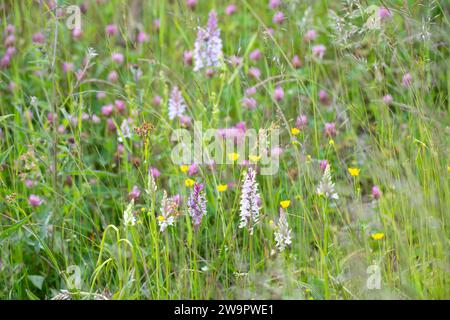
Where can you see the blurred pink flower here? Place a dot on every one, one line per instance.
(9, 29)
(255, 55)
(230, 9)
(134, 194)
(142, 37)
(34, 200)
(376, 192)
(111, 29)
(301, 122)
(387, 99)
(310, 35)
(330, 129)
(38, 37)
(324, 98)
(29, 183)
(67, 66)
(407, 79)
(278, 94)
(77, 33)
(113, 76)
(323, 164)
(191, 4)
(107, 110)
(120, 106)
(249, 103)
(384, 13)
(193, 169)
(117, 57)
(156, 101)
(319, 51)
(278, 17)
(188, 57)
(254, 73)
(296, 62)
(110, 125)
(273, 4)
(154, 172)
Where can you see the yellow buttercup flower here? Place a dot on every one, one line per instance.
(331, 142)
(222, 187)
(448, 169)
(254, 158)
(233, 156)
(377, 236)
(295, 131)
(161, 218)
(285, 203)
(189, 182)
(354, 172)
(184, 168)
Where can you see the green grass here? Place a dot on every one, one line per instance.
(401, 147)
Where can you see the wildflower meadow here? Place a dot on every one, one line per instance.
(224, 149)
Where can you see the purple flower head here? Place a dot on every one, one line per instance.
(107, 110)
(278, 18)
(323, 164)
(323, 97)
(384, 13)
(134, 194)
(197, 205)
(208, 45)
(154, 172)
(273, 4)
(111, 29)
(278, 94)
(319, 51)
(188, 57)
(296, 62)
(301, 122)
(142, 37)
(120, 106)
(34, 201)
(330, 129)
(191, 4)
(250, 91)
(249, 103)
(310, 35)
(193, 169)
(176, 104)
(376, 192)
(38, 37)
(156, 101)
(77, 33)
(113, 76)
(230, 9)
(387, 99)
(254, 72)
(117, 57)
(407, 79)
(255, 55)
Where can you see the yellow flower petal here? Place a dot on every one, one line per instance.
(189, 182)
(295, 131)
(222, 187)
(184, 168)
(285, 203)
(354, 172)
(233, 156)
(377, 236)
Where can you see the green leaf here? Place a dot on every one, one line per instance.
(36, 280)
